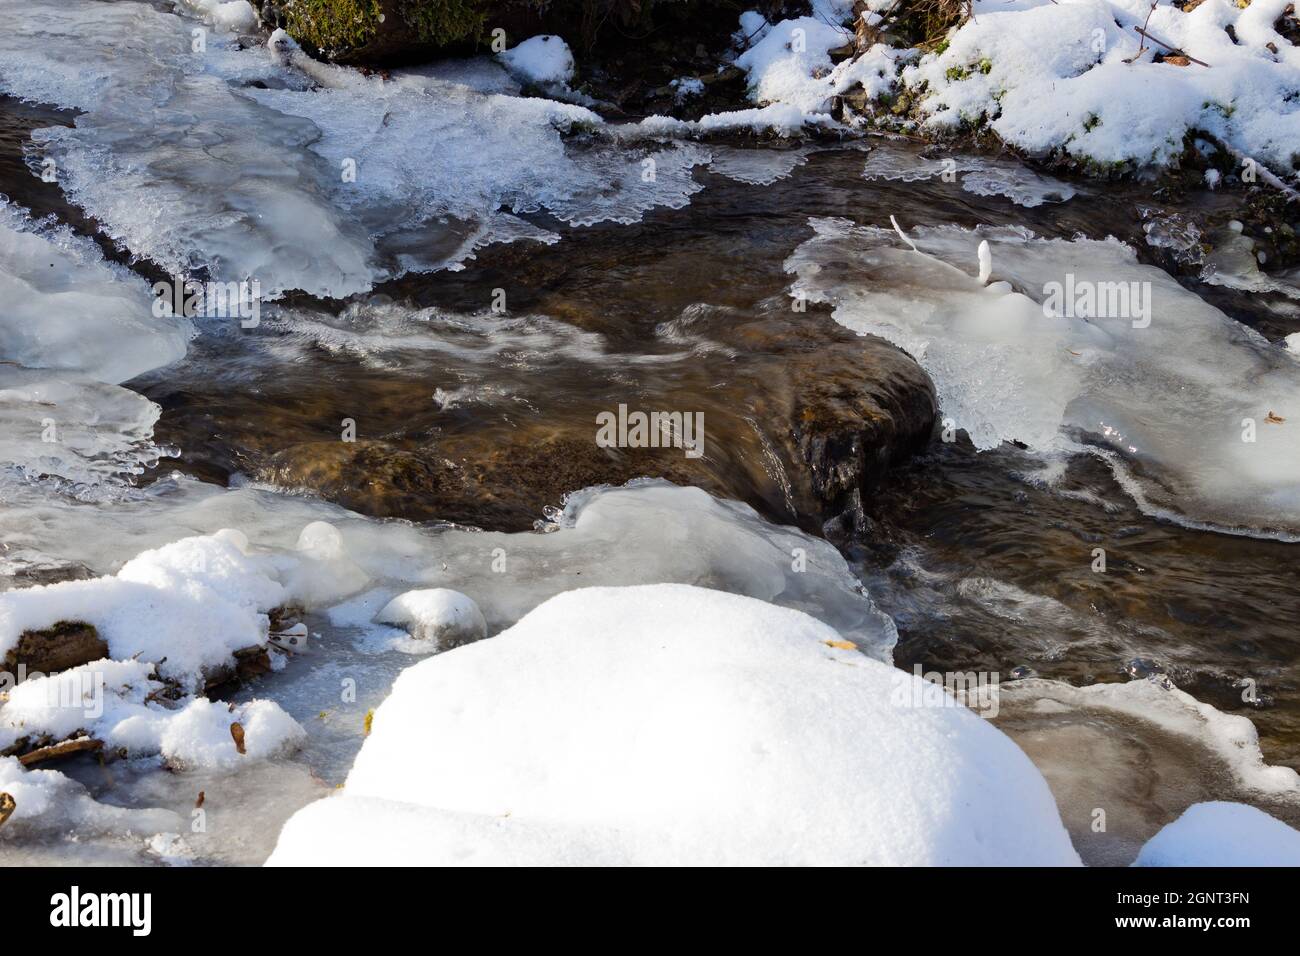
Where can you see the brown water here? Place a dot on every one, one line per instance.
(485, 419)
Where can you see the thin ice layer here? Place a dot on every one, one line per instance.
(1186, 407)
(646, 532)
(65, 308)
(86, 437)
(261, 164)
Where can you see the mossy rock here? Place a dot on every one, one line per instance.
(380, 32)
(61, 646)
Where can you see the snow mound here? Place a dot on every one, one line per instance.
(445, 617)
(113, 702)
(1078, 342)
(789, 62)
(666, 725)
(1053, 75)
(541, 61)
(1223, 834)
(186, 607)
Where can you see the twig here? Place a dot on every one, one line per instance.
(61, 750)
(1172, 49)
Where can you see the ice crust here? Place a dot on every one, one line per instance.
(1168, 404)
(233, 160)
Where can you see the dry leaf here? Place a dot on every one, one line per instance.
(370, 719)
(237, 732)
(7, 807)
(199, 802)
(842, 645)
(1176, 59)
(1274, 419)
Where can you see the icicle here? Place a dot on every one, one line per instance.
(902, 235)
(986, 262)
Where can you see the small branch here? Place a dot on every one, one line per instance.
(1172, 49)
(61, 750)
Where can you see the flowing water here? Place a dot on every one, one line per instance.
(485, 417)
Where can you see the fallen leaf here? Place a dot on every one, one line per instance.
(199, 802)
(370, 719)
(7, 807)
(1274, 419)
(1176, 59)
(237, 732)
(842, 645)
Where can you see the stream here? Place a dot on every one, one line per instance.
(473, 394)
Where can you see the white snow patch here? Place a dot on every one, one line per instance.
(186, 607)
(1223, 834)
(445, 617)
(669, 725)
(540, 60)
(1048, 75)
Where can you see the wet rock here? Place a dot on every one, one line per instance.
(57, 648)
(494, 480)
(850, 407)
(244, 665)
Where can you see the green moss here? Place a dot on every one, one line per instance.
(445, 21)
(955, 74)
(1091, 122)
(336, 26)
(329, 25)
(986, 66)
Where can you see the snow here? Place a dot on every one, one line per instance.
(1010, 363)
(1223, 834)
(789, 63)
(46, 800)
(668, 725)
(231, 15)
(687, 87)
(110, 700)
(540, 60)
(186, 607)
(445, 617)
(1050, 76)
